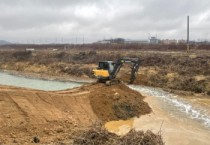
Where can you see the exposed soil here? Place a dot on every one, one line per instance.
(119, 103)
(29, 115)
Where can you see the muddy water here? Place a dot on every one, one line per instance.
(19, 81)
(120, 127)
(179, 106)
(180, 120)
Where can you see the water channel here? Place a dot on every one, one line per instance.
(39, 84)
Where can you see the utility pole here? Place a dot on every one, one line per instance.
(188, 33)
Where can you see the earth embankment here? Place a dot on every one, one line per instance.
(53, 116)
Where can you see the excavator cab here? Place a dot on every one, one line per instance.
(106, 65)
(107, 70)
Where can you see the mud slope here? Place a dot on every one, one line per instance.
(117, 102)
(54, 116)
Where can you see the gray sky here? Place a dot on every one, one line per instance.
(64, 20)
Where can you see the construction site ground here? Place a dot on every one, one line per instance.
(52, 117)
(57, 116)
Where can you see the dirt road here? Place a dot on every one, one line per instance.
(54, 116)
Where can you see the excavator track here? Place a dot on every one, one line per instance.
(112, 82)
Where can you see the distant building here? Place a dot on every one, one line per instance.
(113, 41)
(168, 41)
(122, 41)
(136, 41)
(153, 40)
(202, 41)
(182, 41)
(104, 42)
(118, 40)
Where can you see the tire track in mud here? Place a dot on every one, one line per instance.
(11, 109)
(32, 105)
(25, 114)
(29, 106)
(43, 99)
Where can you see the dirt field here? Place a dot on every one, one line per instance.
(56, 116)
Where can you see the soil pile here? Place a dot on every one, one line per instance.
(117, 102)
(53, 116)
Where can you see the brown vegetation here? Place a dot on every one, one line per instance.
(99, 136)
(173, 70)
(113, 46)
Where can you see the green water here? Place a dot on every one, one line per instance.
(47, 85)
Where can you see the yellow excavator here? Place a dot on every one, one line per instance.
(107, 70)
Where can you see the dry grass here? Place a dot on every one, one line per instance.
(97, 135)
(81, 62)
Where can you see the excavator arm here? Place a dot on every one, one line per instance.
(134, 68)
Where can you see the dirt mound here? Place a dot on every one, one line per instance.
(117, 102)
(99, 136)
(54, 116)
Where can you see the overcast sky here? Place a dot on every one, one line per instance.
(66, 20)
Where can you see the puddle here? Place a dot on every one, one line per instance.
(120, 127)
